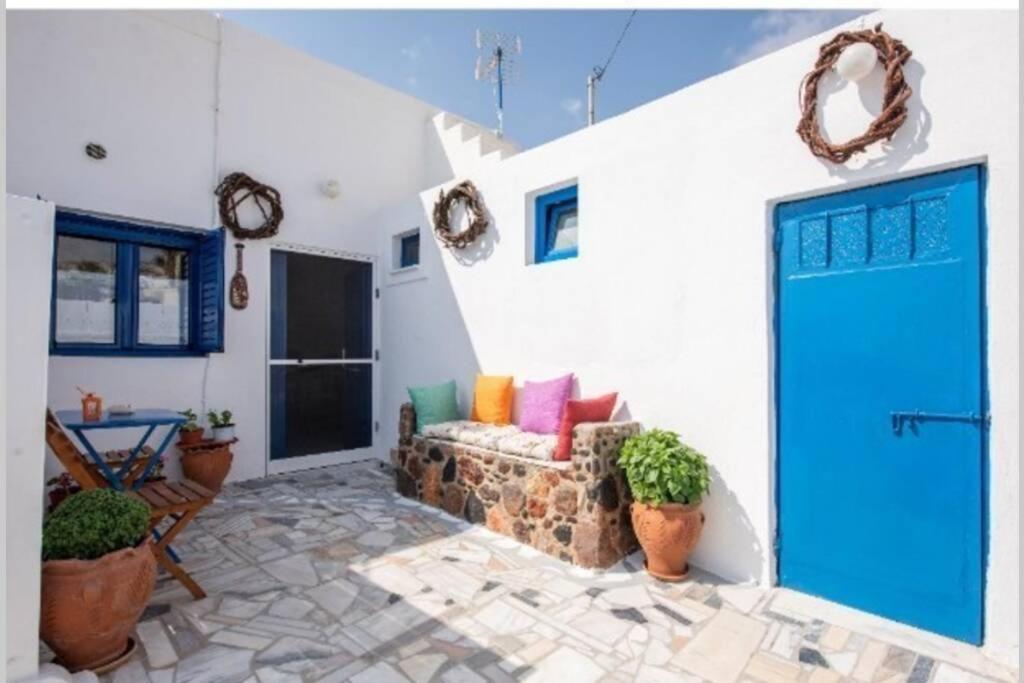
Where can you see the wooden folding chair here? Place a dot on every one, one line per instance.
(180, 501)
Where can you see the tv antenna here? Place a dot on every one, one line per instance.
(498, 63)
(598, 72)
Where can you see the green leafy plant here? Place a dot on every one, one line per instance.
(662, 469)
(191, 420)
(221, 419)
(90, 524)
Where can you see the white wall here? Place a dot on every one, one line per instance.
(144, 84)
(30, 232)
(670, 300)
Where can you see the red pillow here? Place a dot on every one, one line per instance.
(587, 410)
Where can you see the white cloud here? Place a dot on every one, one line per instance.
(573, 106)
(779, 28)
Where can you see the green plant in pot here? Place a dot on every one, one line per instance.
(222, 424)
(191, 432)
(668, 480)
(98, 573)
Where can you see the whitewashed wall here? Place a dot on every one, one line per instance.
(29, 234)
(145, 85)
(670, 300)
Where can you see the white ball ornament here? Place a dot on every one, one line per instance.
(856, 61)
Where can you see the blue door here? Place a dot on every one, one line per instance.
(881, 400)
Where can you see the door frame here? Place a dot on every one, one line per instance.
(773, 237)
(272, 467)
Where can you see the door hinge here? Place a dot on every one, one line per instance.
(376, 293)
(777, 544)
(777, 241)
(376, 426)
(376, 354)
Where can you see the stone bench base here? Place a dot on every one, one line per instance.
(577, 510)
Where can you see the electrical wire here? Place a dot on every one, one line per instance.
(599, 73)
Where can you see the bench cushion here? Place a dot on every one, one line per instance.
(508, 439)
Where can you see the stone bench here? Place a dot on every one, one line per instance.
(576, 510)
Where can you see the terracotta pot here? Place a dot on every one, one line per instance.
(90, 607)
(668, 534)
(190, 437)
(207, 466)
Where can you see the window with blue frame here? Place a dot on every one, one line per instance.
(557, 233)
(409, 250)
(127, 289)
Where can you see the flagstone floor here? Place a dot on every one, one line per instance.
(326, 575)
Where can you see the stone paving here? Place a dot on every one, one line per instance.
(327, 575)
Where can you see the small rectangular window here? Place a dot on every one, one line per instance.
(405, 250)
(410, 251)
(557, 231)
(127, 289)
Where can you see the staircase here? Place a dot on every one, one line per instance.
(468, 146)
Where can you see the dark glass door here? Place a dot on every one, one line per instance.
(321, 360)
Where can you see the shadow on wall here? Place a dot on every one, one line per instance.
(729, 525)
(910, 140)
(483, 247)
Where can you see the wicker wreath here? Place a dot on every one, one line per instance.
(238, 187)
(463, 193)
(893, 54)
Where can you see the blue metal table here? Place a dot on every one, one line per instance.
(148, 418)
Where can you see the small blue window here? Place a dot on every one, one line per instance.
(557, 232)
(409, 250)
(125, 289)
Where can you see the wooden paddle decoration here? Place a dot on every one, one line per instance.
(239, 286)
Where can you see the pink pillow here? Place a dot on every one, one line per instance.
(590, 410)
(543, 405)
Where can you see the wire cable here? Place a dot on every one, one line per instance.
(599, 73)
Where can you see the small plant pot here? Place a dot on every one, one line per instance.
(225, 433)
(90, 607)
(207, 464)
(190, 437)
(668, 534)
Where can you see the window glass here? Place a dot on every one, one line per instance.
(410, 251)
(563, 236)
(163, 296)
(86, 289)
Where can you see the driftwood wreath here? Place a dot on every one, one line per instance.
(464, 193)
(238, 187)
(892, 54)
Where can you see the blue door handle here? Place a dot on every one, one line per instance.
(912, 417)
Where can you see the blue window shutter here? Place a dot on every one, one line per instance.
(210, 324)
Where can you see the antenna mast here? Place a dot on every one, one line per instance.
(498, 63)
(598, 73)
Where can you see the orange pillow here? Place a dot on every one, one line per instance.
(492, 400)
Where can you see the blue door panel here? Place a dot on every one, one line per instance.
(879, 310)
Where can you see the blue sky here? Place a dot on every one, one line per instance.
(431, 54)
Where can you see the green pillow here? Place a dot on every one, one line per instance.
(434, 404)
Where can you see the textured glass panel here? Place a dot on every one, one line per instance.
(163, 296)
(849, 240)
(814, 243)
(321, 307)
(86, 291)
(320, 409)
(890, 233)
(564, 236)
(931, 226)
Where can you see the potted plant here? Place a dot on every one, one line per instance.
(63, 486)
(98, 573)
(668, 479)
(223, 427)
(190, 432)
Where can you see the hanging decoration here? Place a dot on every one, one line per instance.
(237, 188)
(892, 54)
(239, 291)
(464, 193)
